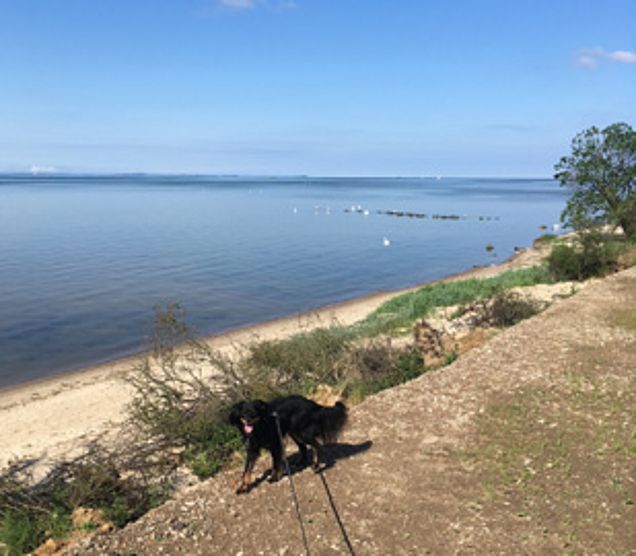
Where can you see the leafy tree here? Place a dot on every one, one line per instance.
(601, 171)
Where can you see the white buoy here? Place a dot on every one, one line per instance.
(386, 242)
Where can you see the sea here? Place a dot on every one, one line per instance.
(86, 260)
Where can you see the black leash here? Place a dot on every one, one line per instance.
(295, 497)
(335, 513)
(291, 484)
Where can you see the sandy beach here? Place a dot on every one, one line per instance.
(52, 418)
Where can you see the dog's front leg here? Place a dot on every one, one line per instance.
(277, 462)
(246, 479)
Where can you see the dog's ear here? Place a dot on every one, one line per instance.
(262, 408)
(235, 414)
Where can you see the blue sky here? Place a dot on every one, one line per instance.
(320, 87)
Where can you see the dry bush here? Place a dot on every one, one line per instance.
(377, 364)
(122, 483)
(504, 309)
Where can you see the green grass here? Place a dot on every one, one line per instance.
(400, 312)
(546, 238)
(627, 319)
(566, 446)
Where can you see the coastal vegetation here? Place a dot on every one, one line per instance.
(545, 238)
(108, 485)
(601, 173)
(396, 315)
(590, 254)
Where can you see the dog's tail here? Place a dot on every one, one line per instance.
(332, 420)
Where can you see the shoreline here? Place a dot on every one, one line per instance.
(56, 416)
(241, 330)
(251, 329)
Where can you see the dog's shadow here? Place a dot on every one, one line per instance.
(330, 454)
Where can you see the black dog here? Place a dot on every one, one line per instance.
(307, 422)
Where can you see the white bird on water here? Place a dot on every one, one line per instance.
(386, 242)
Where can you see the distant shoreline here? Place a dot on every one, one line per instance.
(62, 174)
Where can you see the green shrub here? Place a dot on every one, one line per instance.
(545, 238)
(21, 532)
(564, 263)
(301, 362)
(206, 456)
(451, 358)
(591, 255)
(118, 511)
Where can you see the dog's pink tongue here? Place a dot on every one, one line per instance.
(248, 428)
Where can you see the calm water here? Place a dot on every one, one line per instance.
(83, 261)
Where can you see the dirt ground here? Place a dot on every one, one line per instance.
(525, 445)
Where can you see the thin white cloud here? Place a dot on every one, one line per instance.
(37, 169)
(590, 58)
(586, 61)
(249, 4)
(624, 56)
(239, 4)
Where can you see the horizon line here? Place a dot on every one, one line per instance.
(438, 177)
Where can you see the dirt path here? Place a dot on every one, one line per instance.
(525, 445)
